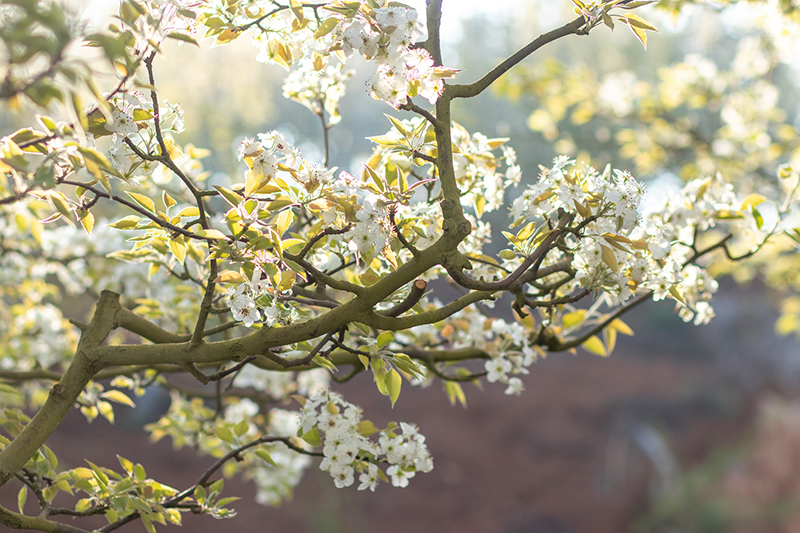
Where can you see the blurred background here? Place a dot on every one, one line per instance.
(683, 429)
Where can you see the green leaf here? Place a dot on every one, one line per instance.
(324, 363)
(264, 454)
(98, 474)
(407, 365)
(174, 516)
(398, 125)
(241, 428)
(178, 36)
(312, 437)
(225, 501)
(366, 428)
(216, 488)
(379, 373)
(8, 389)
(640, 3)
(83, 504)
(200, 494)
(22, 496)
(224, 434)
(385, 338)
(283, 221)
(52, 460)
(376, 178)
(507, 255)
(608, 21)
(233, 198)
(125, 464)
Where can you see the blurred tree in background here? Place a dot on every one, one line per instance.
(246, 285)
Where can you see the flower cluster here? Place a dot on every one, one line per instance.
(618, 252)
(347, 446)
(509, 344)
(318, 89)
(256, 301)
(385, 35)
(131, 115)
(371, 228)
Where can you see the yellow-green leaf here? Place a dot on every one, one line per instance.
(22, 496)
(178, 248)
(326, 27)
(573, 318)
(526, 231)
(129, 222)
(639, 22)
(385, 338)
(119, 397)
(189, 212)
(106, 410)
(143, 201)
(233, 198)
(297, 9)
(283, 221)
(87, 221)
(640, 33)
(229, 276)
(393, 384)
(455, 393)
(286, 280)
(621, 327)
(168, 200)
(595, 345)
(752, 200)
(212, 233)
(609, 258)
(610, 336)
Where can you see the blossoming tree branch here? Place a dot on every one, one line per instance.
(273, 283)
